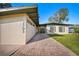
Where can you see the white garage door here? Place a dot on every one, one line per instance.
(13, 33)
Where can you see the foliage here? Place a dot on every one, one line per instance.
(60, 16)
(76, 29)
(5, 5)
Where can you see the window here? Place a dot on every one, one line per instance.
(62, 29)
(52, 29)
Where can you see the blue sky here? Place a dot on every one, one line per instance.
(48, 9)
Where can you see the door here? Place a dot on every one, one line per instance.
(13, 33)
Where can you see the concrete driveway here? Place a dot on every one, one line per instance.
(43, 45)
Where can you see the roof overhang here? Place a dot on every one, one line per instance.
(58, 24)
(31, 11)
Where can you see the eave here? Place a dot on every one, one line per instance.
(57, 24)
(31, 11)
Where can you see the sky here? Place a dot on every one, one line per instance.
(45, 10)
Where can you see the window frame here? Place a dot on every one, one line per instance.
(61, 28)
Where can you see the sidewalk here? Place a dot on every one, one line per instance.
(43, 45)
(6, 50)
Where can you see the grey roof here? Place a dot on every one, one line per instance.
(59, 24)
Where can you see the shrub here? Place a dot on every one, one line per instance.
(76, 30)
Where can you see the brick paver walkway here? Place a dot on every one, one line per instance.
(43, 45)
(6, 50)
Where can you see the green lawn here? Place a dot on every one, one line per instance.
(69, 40)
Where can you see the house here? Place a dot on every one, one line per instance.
(18, 24)
(56, 28)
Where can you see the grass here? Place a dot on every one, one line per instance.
(69, 40)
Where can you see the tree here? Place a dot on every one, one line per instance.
(60, 16)
(76, 29)
(63, 13)
(5, 5)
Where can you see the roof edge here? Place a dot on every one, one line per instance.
(58, 24)
(16, 8)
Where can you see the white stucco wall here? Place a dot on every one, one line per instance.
(0, 33)
(12, 33)
(30, 32)
(65, 32)
(57, 29)
(48, 29)
(11, 30)
(30, 29)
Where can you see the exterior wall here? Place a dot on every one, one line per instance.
(57, 29)
(42, 29)
(65, 32)
(0, 33)
(71, 29)
(12, 33)
(30, 29)
(14, 29)
(48, 29)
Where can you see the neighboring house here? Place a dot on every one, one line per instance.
(18, 24)
(56, 28)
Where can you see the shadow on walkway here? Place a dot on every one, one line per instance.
(38, 37)
(43, 45)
